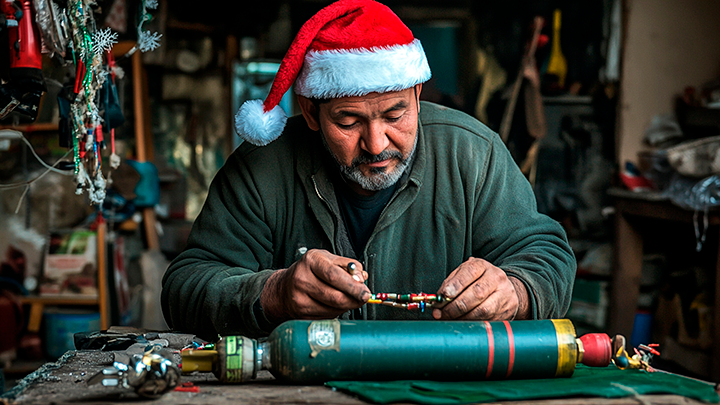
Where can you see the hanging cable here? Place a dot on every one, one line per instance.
(8, 186)
(13, 134)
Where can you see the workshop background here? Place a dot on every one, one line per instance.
(599, 101)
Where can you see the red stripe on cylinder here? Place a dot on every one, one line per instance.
(511, 348)
(491, 349)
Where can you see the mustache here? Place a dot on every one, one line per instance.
(366, 157)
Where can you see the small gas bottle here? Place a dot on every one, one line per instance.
(310, 352)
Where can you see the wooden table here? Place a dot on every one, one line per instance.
(65, 382)
(630, 211)
(66, 385)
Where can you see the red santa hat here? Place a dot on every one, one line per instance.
(349, 48)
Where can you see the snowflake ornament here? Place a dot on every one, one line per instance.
(151, 4)
(148, 41)
(103, 41)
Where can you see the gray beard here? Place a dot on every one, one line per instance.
(378, 179)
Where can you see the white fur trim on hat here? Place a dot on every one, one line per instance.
(356, 72)
(258, 127)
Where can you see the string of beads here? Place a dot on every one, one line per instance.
(410, 302)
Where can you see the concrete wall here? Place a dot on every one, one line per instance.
(668, 45)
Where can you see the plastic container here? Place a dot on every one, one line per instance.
(642, 328)
(61, 326)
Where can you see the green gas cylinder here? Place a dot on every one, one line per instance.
(309, 352)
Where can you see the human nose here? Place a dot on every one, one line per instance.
(375, 139)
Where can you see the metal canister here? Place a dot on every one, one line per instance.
(311, 352)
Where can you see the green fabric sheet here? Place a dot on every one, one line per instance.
(609, 382)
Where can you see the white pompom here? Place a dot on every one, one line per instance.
(258, 127)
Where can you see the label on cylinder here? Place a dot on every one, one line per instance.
(324, 335)
(233, 361)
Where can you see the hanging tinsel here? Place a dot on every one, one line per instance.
(147, 41)
(89, 45)
(84, 111)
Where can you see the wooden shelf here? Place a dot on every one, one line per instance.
(42, 127)
(59, 300)
(38, 302)
(121, 48)
(632, 216)
(191, 27)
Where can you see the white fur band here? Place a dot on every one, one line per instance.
(356, 72)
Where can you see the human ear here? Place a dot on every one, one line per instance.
(310, 112)
(418, 89)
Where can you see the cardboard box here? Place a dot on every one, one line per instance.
(70, 264)
(21, 254)
(590, 314)
(589, 302)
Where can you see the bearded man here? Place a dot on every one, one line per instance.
(370, 190)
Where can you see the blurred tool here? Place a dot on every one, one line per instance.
(527, 62)
(557, 65)
(150, 374)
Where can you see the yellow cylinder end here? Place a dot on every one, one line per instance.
(567, 347)
(198, 360)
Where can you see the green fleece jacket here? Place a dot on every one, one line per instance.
(463, 196)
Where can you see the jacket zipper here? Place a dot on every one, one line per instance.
(330, 208)
(315, 186)
(392, 199)
(359, 313)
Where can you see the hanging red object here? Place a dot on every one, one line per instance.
(25, 45)
(26, 84)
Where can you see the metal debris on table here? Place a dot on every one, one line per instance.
(150, 374)
(187, 387)
(640, 360)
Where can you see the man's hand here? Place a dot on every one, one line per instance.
(484, 292)
(318, 286)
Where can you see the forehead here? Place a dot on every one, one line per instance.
(371, 102)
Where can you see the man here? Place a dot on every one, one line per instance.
(370, 190)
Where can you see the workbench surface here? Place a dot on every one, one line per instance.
(65, 382)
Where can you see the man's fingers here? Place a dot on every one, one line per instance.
(318, 285)
(334, 298)
(311, 308)
(479, 281)
(356, 271)
(493, 308)
(462, 277)
(333, 270)
(470, 299)
(340, 280)
(312, 296)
